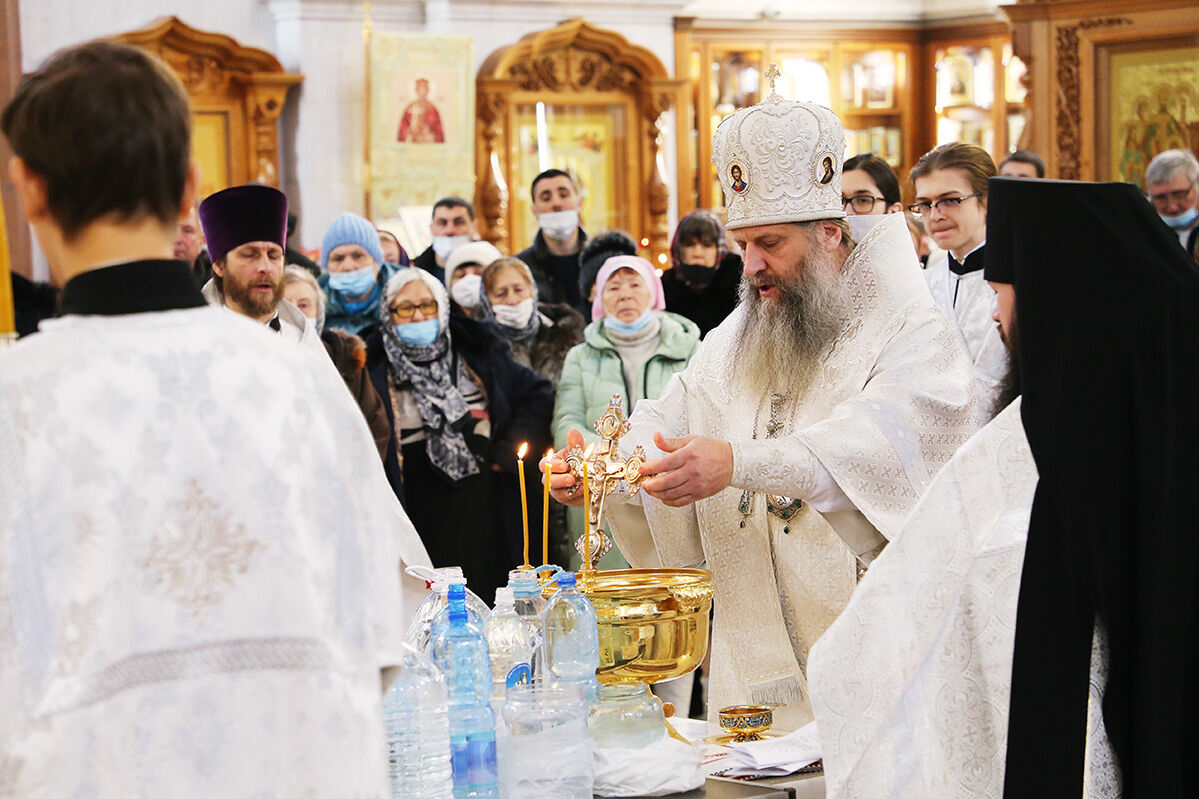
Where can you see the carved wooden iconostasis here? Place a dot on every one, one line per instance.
(237, 94)
(585, 100)
(1112, 83)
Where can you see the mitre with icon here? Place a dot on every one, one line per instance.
(780, 161)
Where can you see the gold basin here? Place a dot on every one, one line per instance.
(653, 623)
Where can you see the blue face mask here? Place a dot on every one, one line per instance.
(419, 334)
(1182, 220)
(636, 326)
(353, 284)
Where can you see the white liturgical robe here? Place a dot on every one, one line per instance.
(968, 301)
(200, 565)
(910, 685)
(886, 409)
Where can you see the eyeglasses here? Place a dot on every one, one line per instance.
(405, 309)
(948, 204)
(1166, 198)
(862, 203)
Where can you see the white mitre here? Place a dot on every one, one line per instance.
(780, 161)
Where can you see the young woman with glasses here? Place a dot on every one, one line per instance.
(869, 186)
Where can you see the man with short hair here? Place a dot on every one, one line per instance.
(807, 423)
(246, 227)
(199, 553)
(1172, 185)
(554, 256)
(190, 248)
(1022, 164)
(453, 225)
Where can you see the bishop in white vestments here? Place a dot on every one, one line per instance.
(807, 424)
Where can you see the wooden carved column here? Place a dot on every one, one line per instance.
(491, 108)
(265, 94)
(656, 103)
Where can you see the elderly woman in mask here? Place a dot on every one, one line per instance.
(460, 407)
(540, 333)
(630, 349)
(354, 273)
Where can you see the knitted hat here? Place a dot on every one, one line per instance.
(638, 265)
(598, 250)
(475, 252)
(351, 229)
(234, 216)
(780, 161)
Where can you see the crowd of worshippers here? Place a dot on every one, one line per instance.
(459, 355)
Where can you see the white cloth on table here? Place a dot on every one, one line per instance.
(197, 597)
(887, 409)
(910, 685)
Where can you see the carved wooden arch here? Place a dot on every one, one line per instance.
(568, 64)
(237, 94)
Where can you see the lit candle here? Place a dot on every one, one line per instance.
(545, 509)
(586, 512)
(524, 500)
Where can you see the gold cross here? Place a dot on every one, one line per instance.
(773, 74)
(606, 469)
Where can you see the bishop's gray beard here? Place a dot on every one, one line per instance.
(783, 339)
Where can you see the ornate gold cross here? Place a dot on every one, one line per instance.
(773, 74)
(607, 470)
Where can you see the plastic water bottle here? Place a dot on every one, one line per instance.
(549, 753)
(439, 581)
(461, 654)
(529, 605)
(508, 643)
(416, 719)
(572, 637)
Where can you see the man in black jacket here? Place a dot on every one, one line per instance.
(453, 225)
(554, 256)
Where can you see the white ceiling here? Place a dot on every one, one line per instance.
(864, 11)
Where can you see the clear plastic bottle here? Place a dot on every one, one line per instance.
(439, 581)
(549, 754)
(529, 605)
(572, 637)
(461, 653)
(416, 719)
(508, 643)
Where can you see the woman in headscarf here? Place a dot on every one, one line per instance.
(540, 333)
(631, 349)
(704, 277)
(460, 407)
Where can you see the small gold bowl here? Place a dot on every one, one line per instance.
(746, 722)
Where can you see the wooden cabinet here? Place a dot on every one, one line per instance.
(867, 77)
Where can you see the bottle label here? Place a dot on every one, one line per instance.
(473, 760)
(520, 674)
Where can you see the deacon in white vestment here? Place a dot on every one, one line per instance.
(806, 425)
(200, 585)
(910, 685)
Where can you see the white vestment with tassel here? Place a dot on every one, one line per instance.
(889, 405)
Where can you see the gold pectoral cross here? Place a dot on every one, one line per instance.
(606, 470)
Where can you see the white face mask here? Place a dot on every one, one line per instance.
(444, 245)
(514, 316)
(467, 290)
(559, 225)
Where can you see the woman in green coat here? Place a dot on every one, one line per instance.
(631, 348)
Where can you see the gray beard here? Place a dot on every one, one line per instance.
(782, 340)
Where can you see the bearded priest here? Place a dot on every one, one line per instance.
(806, 425)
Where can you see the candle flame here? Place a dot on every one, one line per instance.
(520, 453)
(549, 453)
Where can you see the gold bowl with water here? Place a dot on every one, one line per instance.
(653, 623)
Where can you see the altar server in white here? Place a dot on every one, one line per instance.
(199, 552)
(951, 197)
(807, 424)
(911, 683)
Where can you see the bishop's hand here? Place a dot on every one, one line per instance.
(560, 477)
(693, 468)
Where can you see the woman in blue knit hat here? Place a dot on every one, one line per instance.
(354, 273)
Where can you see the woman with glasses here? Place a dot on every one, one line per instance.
(869, 187)
(950, 183)
(460, 407)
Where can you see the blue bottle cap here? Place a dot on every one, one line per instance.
(457, 591)
(566, 580)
